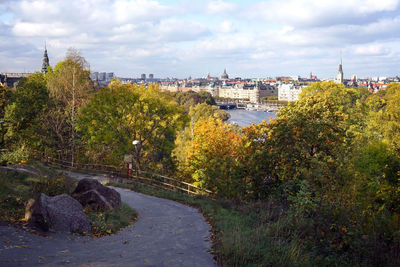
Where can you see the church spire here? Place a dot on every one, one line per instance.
(224, 75)
(45, 62)
(339, 76)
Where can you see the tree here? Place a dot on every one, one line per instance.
(69, 86)
(24, 115)
(5, 98)
(120, 114)
(199, 112)
(384, 121)
(377, 160)
(213, 158)
(259, 161)
(207, 97)
(191, 98)
(204, 110)
(311, 138)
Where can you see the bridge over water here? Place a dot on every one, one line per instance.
(226, 105)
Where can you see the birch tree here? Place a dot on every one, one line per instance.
(69, 85)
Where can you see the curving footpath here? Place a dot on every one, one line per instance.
(167, 233)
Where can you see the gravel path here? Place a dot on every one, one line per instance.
(167, 233)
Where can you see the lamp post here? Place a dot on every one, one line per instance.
(2, 133)
(136, 143)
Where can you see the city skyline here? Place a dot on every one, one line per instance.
(182, 38)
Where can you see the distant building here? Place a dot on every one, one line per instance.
(94, 76)
(110, 76)
(313, 77)
(224, 76)
(151, 76)
(252, 92)
(339, 76)
(289, 92)
(143, 76)
(11, 79)
(102, 76)
(45, 61)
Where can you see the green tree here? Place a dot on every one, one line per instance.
(311, 139)
(5, 98)
(191, 98)
(207, 97)
(204, 110)
(69, 86)
(24, 115)
(120, 114)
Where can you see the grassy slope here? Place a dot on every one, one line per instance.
(244, 234)
(17, 188)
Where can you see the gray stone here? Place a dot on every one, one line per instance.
(59, 213)
(90, 192)
(29, 209)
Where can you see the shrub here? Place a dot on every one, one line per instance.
(21, 154)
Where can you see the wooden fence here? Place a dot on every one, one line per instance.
(143, 177)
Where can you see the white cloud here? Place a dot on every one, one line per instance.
(371, 50)
(270, 37)
(129, 11)
(220, 7)
(226, 26)
(29, 29)
(179, 30)
(300, 13)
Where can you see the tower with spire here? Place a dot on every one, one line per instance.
(339, 76)
(45, 62)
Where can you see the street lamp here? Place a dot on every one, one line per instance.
(2, 133)
(136, 143)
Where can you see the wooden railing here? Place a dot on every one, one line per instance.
(109, 169)
(143, 177)
(169, 183)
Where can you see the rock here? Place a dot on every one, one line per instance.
(29, 209)
(90, 192)
(60, 213)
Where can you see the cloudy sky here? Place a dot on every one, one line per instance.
(181, 38)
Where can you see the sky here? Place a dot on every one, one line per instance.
(182, 38)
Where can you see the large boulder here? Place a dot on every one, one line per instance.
(90, 192)
(58, 213)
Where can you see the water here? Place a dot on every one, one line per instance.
(246, 117)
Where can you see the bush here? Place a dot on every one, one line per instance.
(110, 222)
(21, 154)
(52, 186)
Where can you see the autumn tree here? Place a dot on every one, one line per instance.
(385, 114)
(69, 85)
(199, 112)
(212, 158)
(120, 114)
(376, 160)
